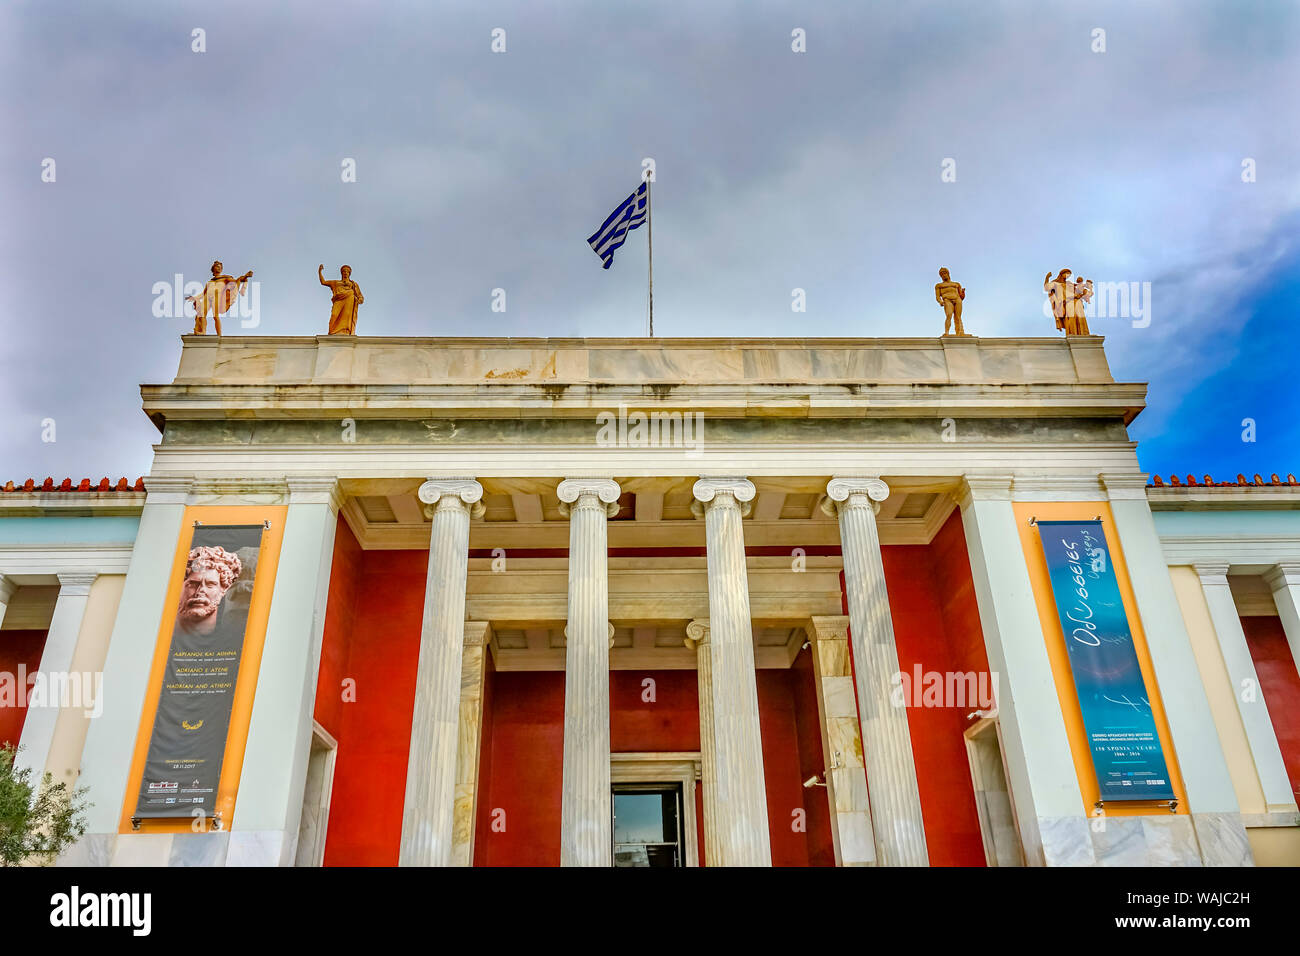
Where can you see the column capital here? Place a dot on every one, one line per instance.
(168, 489)
(1282, 575)
(707, 489)
(7, 588)
(606, 491)
(314, 490)
(828, 627)
(609, 624)
(75, 583)
(1125, 486)
(840, 492)
(974, 488)
(1212, 573)
(478, 633)
(453, 492)
(697, 633)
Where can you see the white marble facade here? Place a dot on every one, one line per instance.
(847, 434)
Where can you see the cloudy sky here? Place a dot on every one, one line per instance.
(776, 170)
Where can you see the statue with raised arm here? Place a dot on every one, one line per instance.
(950, 294)
(216, 298)
(1069, 301)
(345, 297)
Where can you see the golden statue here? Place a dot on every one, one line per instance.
(346, 297)
(217, 295)
(950, 294)
(1069, 302)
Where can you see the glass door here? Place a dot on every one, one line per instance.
(647, 824)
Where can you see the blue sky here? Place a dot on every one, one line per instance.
(776, 170)
(1204, 429)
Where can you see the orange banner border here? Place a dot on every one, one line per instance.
(259, 611)
(1089, 789)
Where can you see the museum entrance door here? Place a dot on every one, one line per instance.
(647, 825)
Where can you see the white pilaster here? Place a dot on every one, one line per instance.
(7, 589)
(428, 817)
(1211, 798)
(110, 741)
(1284, 580)
(740, 814)
(697, 638)
(837, 711)
(886, 741)
(268, 812)
(1246, 688)
(473, 670)
(586, 814)
(1049, 808)
(54, 671)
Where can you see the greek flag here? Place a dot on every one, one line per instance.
(630, 214)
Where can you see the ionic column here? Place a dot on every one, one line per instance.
(429, 813)
(697, 638)
(886, 742)
(740, 801)
(846, 778)
(585, 813)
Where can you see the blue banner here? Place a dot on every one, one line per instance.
(1117, 715)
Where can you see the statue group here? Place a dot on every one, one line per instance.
(220, 291)
(1069, 302)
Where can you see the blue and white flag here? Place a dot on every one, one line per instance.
(630, 214)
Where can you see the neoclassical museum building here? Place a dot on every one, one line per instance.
(656, 602)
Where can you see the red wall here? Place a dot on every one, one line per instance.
(526, 744)
(785, 723)
(372, 632)
(1281, 686)
(365, 825)
(25, 648)
(340, 621)
(808, 732)
(936, 625)
(524, 757)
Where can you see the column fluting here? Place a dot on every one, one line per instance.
(886, 742)
(585, 814)
(740, 805)
(429, 813)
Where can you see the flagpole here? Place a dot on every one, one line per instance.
(650, 244)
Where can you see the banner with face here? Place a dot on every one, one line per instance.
(188, 743)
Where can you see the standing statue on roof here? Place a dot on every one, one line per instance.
(345, 297)
(950, 295)
(1069, 302)
(217, 295)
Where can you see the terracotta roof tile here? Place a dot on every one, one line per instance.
(66, 486)
(1207, 481)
